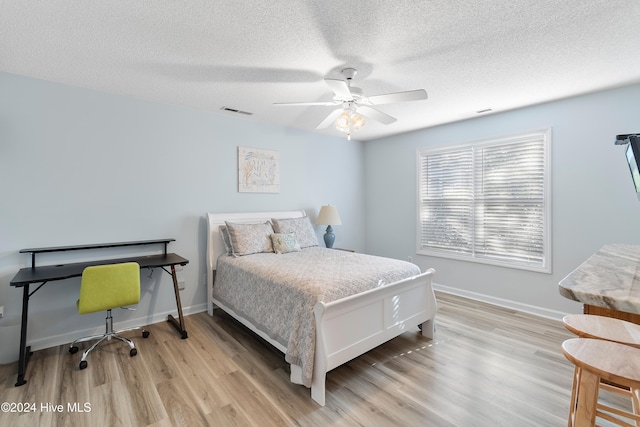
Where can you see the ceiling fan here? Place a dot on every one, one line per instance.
(354, 104)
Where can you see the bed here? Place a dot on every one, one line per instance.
(320, 307)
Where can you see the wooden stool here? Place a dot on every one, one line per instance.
(604, 328)
(609, 329)
(596, 361)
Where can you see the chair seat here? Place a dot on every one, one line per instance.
(609, 360)
(604, 328)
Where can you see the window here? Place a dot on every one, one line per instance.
(487, 201)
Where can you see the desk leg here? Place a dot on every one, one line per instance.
(25, 351)
(178, 325)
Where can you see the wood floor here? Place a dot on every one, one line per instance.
(487, 366)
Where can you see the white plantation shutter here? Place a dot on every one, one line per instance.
(487, 202)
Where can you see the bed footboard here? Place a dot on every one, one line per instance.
(354, 325)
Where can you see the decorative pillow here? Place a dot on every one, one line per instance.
(285, 243)
(301, 227)
(226, 240)
(249, 239)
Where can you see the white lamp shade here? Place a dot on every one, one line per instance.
(328, 215)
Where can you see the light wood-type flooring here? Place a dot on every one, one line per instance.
(487, 366)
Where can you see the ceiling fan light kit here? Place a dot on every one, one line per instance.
(344, 122)
(349, 120)
(355, 106)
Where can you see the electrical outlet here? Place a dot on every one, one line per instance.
(180, 285)
(1, 311)
(410, 259)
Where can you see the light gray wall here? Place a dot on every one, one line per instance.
(65, 181)
(593, 198)
(79, 166)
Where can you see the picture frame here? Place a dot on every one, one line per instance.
(258, 170)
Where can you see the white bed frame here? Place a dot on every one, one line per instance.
(345, 328)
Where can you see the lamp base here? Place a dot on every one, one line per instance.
(329, 237)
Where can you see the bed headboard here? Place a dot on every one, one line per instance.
(215, 246)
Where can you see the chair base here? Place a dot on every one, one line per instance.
(108, 335)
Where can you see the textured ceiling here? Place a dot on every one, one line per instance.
(468, 55)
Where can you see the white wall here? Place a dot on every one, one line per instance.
(79, 166)
(593, 198)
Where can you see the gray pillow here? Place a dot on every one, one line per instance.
(226, 240)
(249, 239)
(301, 227)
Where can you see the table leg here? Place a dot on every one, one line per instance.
(179, 325)
(24, 350)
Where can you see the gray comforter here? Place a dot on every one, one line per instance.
(277, 292)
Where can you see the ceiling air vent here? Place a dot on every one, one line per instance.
(234, 110)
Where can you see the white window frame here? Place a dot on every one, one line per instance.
(545, 265)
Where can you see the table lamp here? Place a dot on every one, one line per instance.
(328, 216)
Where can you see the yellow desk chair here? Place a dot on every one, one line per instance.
(104, 287)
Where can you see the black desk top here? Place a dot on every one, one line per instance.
(46, 273)
(96, 246)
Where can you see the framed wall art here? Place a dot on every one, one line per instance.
(258, 171)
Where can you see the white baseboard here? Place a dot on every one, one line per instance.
(68, 337)
(513, 305)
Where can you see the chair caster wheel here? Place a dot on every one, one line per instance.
(83, 364)
(73, 350)
(133, 352)
(145, 334)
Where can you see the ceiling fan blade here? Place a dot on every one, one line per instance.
(331, 118)
(390, 98)
(340, 88)
(376, 115)
(324, 103)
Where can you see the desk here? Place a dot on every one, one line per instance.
(608, 282)
(44, 274)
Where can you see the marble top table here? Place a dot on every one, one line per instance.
(610, 278)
